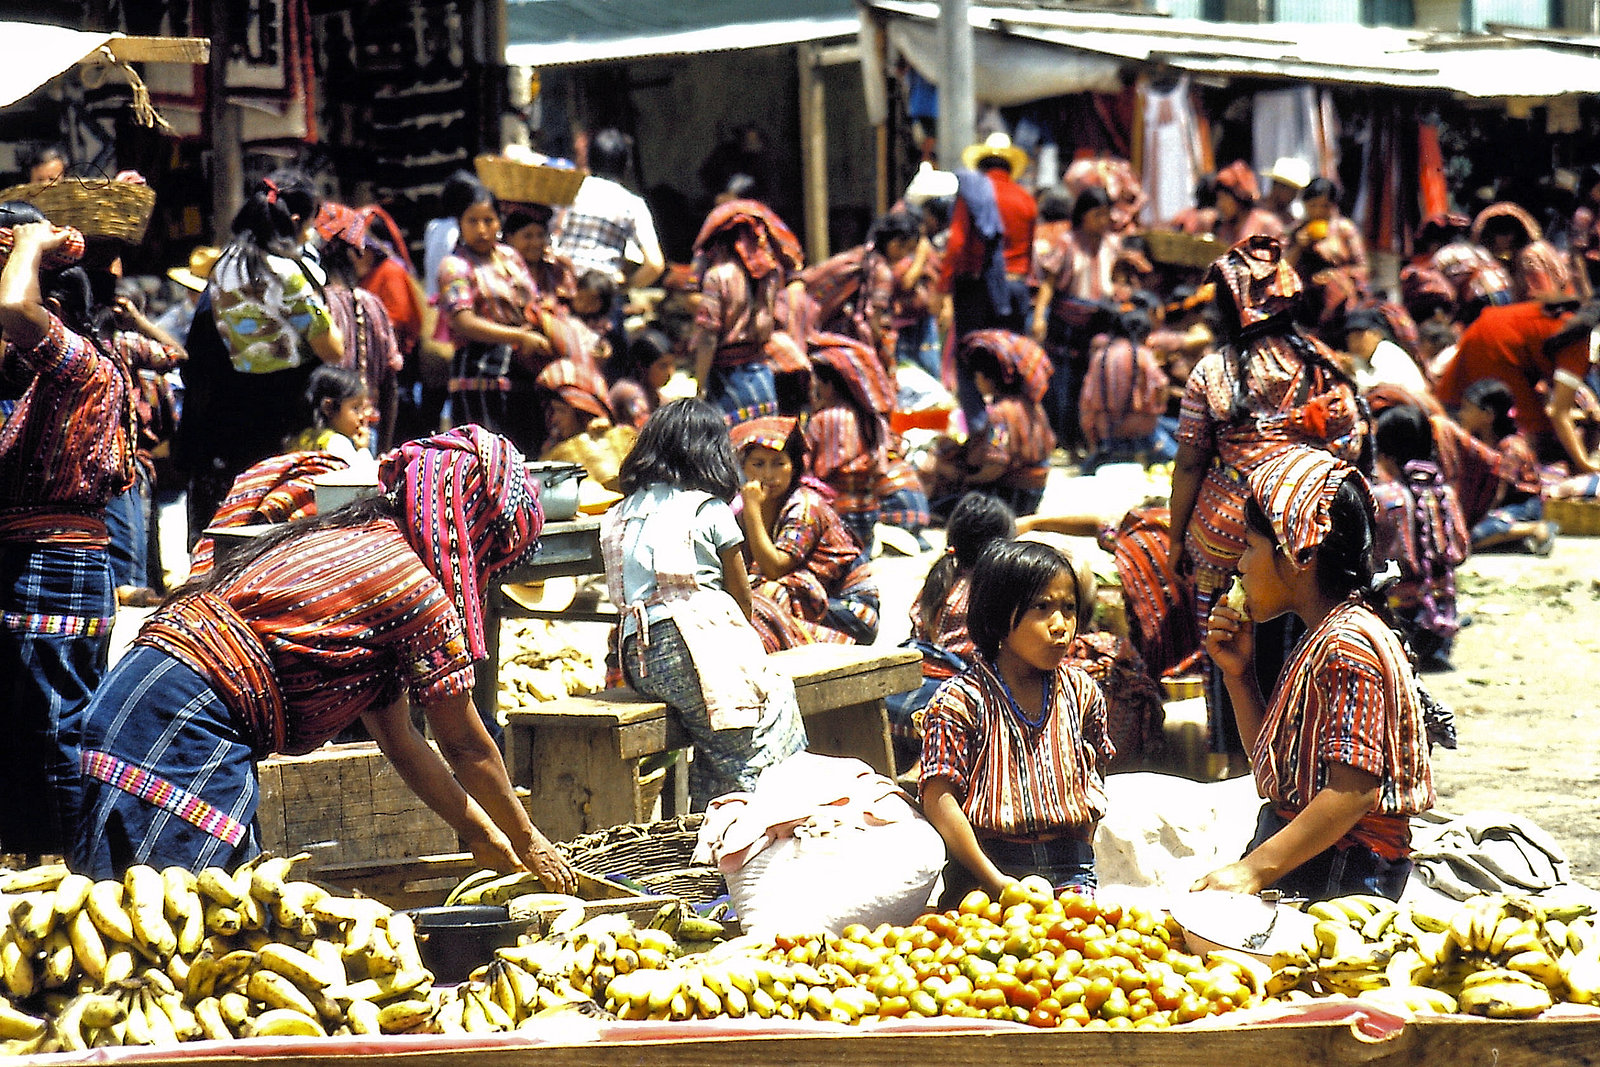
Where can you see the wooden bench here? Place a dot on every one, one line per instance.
(580, 757)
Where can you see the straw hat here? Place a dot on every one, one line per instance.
(194, 276)
(1291, 171)
(996, 146)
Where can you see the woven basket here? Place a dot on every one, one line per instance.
(657, 857)
(528, 183)
(1577, 516)
(1182, 249)
(96, 207)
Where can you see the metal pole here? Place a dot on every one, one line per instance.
(956, 105)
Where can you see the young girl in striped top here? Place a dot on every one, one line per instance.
(1014, 749)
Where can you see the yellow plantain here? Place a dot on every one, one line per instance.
(17, 973)
(119, 963)
(16, 1025)
(223, 920)
(276, 991)
(208, 1014)
(70, 896)
(269, 875)
(362, 1016)
(284, 1022)
(184, 908)
(88, 947)
(219, 887)
(60, 962)
(104, 905)
(403, 1015)
(146, 897)
(34, 879)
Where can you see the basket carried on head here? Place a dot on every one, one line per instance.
(657, 857)
(528, 183)
(1183, 249)
(95, 207)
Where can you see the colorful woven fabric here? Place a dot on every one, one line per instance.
(1263, 285)
(469, 508)
(278, 489)
(57, 625)
(763, 241)
(1347, 695)
(496, 287)
(1295, 489)
(769, 431)
(1021, 359)
(67, 446)
(336, 222)
(55, 259)
(859, 366)
(580, 387)
(153, 789)
(1020, 437)
(1162, 605)
(831, 566)
(1015, 780)
(839, 456)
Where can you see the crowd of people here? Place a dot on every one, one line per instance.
(751, 422)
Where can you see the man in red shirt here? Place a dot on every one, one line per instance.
(985, 290)
(1525, 345)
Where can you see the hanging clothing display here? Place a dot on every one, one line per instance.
(1172, 161)
(1287, 123)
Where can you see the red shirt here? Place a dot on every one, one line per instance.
(1508, 343)
(391, 284)
(963, 255)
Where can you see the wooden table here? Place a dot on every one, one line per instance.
(580, 757)
(568, 547)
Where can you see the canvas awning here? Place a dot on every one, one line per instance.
(1483, 66)
(554, 33)
(37, 53)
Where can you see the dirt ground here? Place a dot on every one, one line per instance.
(1526, 695)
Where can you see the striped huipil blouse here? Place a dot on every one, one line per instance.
(1014, 780)
(839, 457)
(67, 443)
(349, 620)
(831, 564)
(1347, 695)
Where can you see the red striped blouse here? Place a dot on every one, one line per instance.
(1347, 695)
(1015, 780)
(67, 447)
(350, 620)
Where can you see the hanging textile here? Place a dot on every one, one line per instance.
(1433, 195)
(1285, 124)
(1171, 160)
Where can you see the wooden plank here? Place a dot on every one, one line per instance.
(577, 782)
(813, 663)
(1552, 1043)
(843, 691)
(856, 730)
(192, 50)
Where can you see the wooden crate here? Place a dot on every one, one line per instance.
(346, 804)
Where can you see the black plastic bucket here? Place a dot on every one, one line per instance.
(458, 939)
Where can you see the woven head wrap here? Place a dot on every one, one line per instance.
(336, 222)
(1021, 359)
(860, 368)
(763, 241)
(1295, 489)
(768, 431)
(580, 387)
(469, 509)
(1262, 284)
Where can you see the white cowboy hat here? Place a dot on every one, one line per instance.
(1291, 171)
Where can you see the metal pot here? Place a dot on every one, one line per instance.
(558, 488)
(458, 939)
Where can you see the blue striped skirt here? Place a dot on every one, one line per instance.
(56, 608)
(743, 391)
(167, 777)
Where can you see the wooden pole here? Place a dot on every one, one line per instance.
(957, 106)
(813, 153)
(227, 154)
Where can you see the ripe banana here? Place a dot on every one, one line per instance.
(501, 889)
(146, 897)
(34, 879)
(284, 1022)
(16, 1025)
(208, 1014)
(104, 904)
(1505, 999)
(219, 887)
(362, 1015)
(88, 947)
(403, 1015)
(470, 883)
(17, 972)
(60, 964)
(276, 991)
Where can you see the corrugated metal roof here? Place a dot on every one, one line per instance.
(553, 33)
(1479, 65)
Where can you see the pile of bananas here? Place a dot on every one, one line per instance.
(167, 956)
(1504, 957)
(540, 662)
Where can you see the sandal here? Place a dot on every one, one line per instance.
(1541, 544)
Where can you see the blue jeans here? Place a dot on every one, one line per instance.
(1335, 872)
(1500, 520)
(918, 345)
(1065, 863)
(128, 521)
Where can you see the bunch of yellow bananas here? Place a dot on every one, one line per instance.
(160, 957)
(1496, 955)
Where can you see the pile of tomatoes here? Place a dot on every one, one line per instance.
(1032, 957)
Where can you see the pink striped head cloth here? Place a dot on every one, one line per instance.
(469, 508)
(1295, 489)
